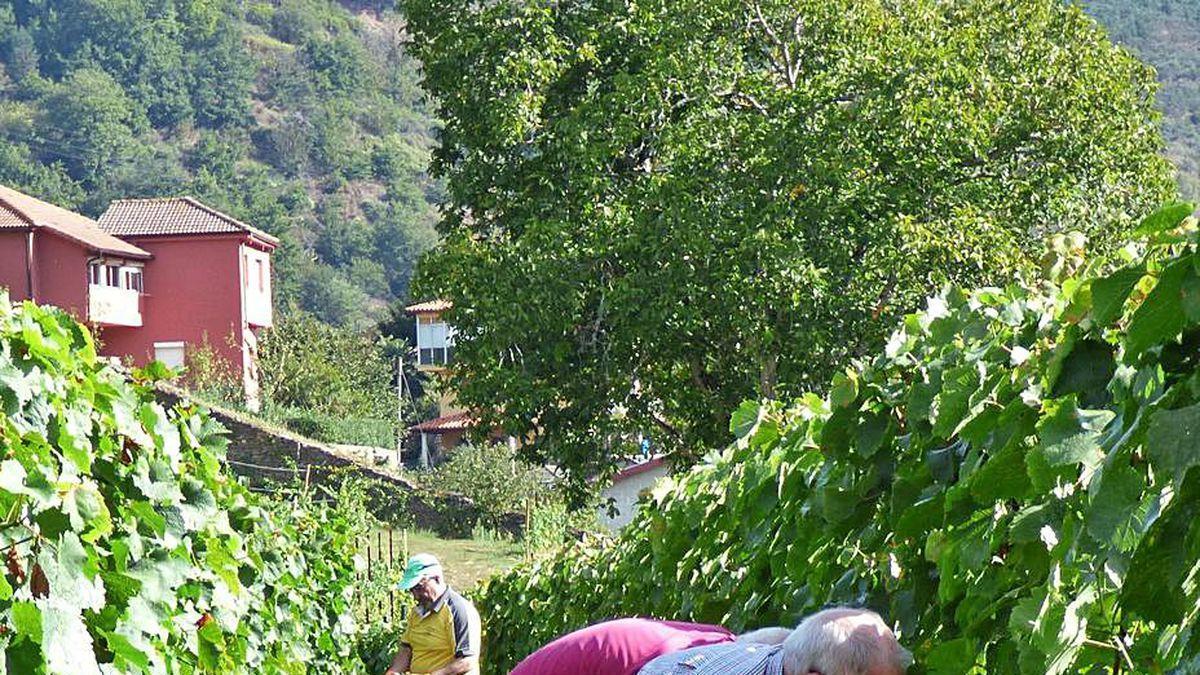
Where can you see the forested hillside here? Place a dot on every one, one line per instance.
(306, 118)
(303, 117)
(1166, 33)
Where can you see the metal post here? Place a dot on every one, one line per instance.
(399, 411)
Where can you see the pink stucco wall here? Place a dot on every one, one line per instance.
(12, 264)
(192, 294)
(60, 270)
(61, 267)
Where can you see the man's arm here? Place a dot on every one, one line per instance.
(467, 637)
(458, 666)
(401, 661)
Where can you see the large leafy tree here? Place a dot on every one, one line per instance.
(658, 209)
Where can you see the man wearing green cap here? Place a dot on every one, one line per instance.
(443, 633)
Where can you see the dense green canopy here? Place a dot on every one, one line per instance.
(658, 209)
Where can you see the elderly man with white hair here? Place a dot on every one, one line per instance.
(842, 641)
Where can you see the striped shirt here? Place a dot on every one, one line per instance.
(738, 658)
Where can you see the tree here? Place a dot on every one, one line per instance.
(659, 209)
(89, 121)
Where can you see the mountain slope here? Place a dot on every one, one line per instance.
(1166, 34)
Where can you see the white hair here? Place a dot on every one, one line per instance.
(842, 641)
(766, 636)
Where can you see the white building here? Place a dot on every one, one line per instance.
(627, 488)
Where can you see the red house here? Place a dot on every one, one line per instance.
(156, 278)
(208, 285)
(57, 257)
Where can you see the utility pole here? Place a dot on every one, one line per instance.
(400, 412)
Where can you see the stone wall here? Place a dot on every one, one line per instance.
(266, 456)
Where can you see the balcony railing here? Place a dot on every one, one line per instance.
(111, 306)
(435, 356)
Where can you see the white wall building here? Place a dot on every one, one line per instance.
(627, 487)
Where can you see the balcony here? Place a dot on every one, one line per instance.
(258, 309)
(112, 306)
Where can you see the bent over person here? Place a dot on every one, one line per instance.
(842, 641)
(619, 647)
(444, 632)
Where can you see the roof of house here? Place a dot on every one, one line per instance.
(429, 307)
(637, 469)
(172, 216)
(19, 210)
(455, 422)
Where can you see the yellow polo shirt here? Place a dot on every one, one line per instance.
(447, 631)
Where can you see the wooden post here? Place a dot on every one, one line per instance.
(368, 603)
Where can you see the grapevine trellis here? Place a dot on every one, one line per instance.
(128, 546)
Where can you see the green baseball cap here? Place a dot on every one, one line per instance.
(419, 567)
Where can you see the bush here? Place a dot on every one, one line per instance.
(492, 477)
(377, 645)
(1012, 481)
(330, 429)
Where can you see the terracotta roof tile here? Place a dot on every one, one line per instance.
(456, 422)
(20, 210)
(9, 218)
(170, 216)
(429, 306)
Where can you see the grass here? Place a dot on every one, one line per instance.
(466, 561)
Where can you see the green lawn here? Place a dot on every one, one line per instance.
(466, 560)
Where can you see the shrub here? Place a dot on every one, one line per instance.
(492, 477)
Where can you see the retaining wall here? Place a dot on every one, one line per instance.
(266, 457)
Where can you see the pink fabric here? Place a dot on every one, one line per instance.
(619, 647)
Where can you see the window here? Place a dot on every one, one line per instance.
(112, 276)
(262, 283)
(133, 280)
(435, 341)
(170, 353)
(94, 273)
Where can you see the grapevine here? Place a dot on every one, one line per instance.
(1012, 482)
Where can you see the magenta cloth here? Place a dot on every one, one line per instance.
(619, 647)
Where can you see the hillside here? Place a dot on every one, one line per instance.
(303, 117)
(306, 117)
(1165, 33)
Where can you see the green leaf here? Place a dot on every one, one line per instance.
(1086, 372)
(123, 648)
(1173, 441)
(27, 620)
(1072, 436)
(744, 419)
(1168, 217)
(844, 391)
(952, 657)
(1110, 293)
(1001, 477)
(1118, 495)
(1163, 559)
(1160, 316)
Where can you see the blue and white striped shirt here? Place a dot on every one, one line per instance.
(734, 658)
